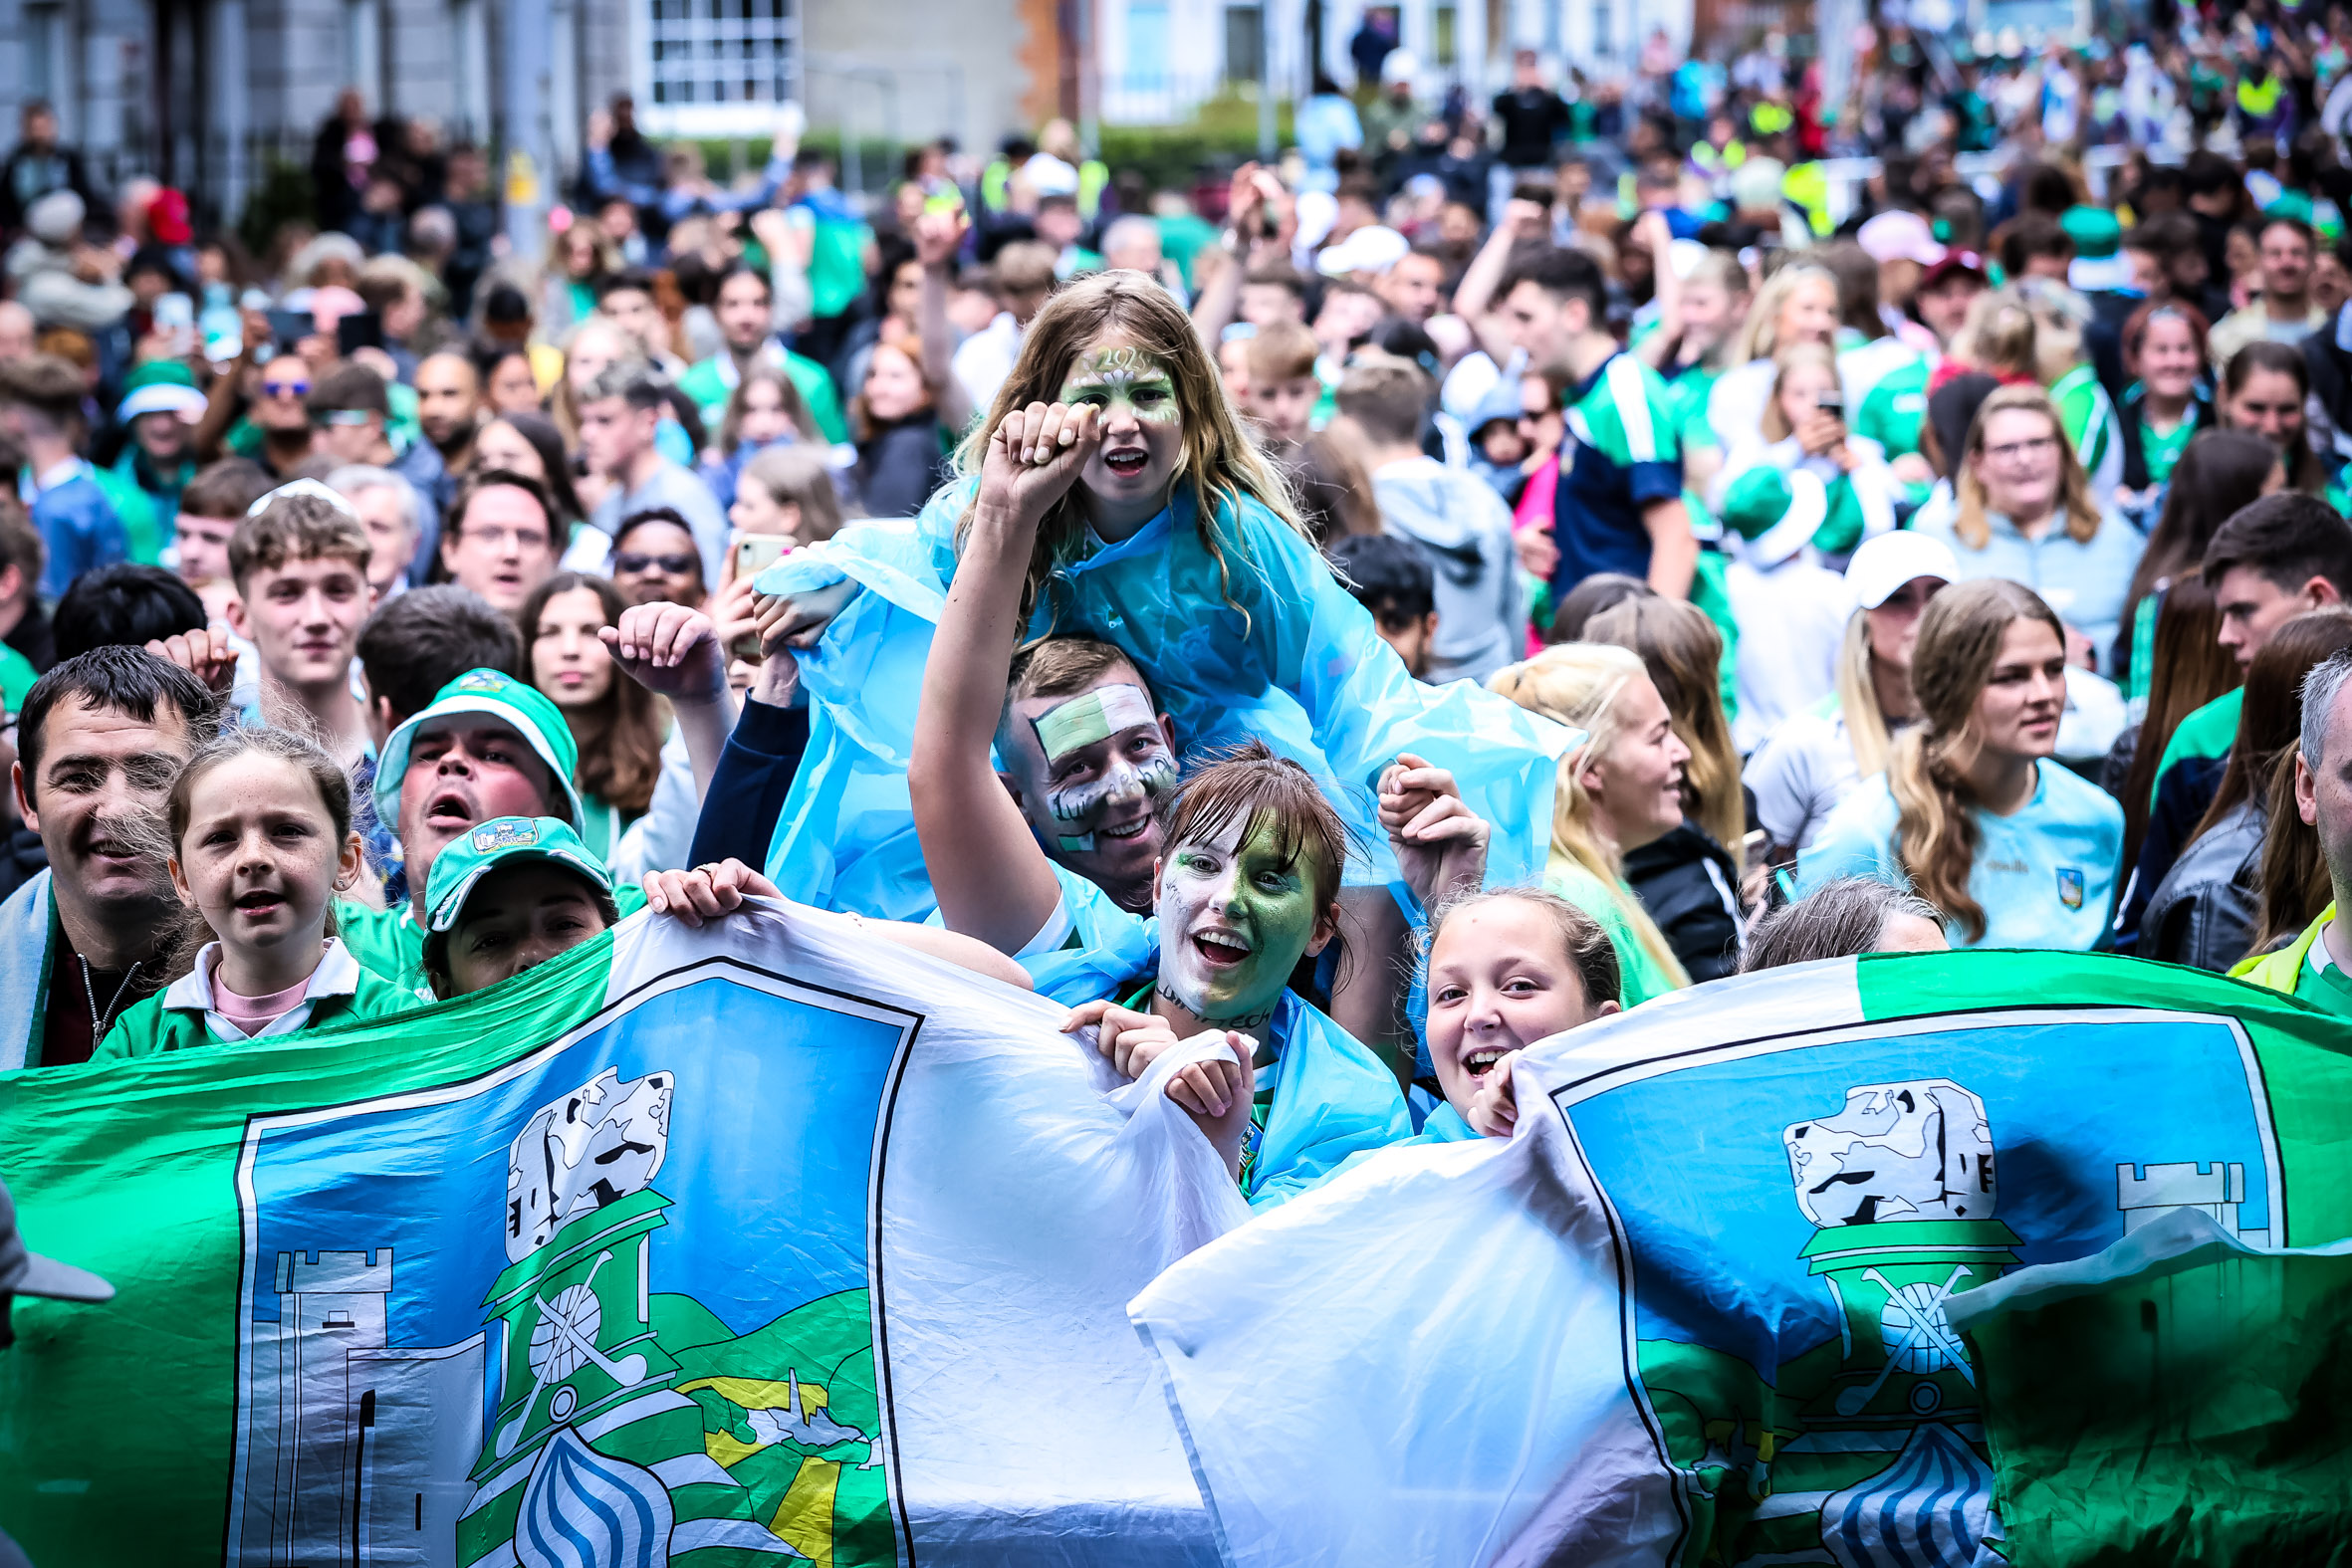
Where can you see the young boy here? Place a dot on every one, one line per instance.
(1283, 386)
(1393, 579)
(211, 505)
(299, 567)
(1452, 513)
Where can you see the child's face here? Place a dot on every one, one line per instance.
(260, 857)
(756, 511)
(764, 418)
(1263, 304)
(1287, 407)
(1235, 920)
(516, 919)
(1500, 441)
(1090, 771)
(1802, 386)
(1143, 424)
(304, 619)
(1500, 980)
(1233, 366)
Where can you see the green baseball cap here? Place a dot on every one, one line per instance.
(492, 693)
(2094, 230)
(500, 842)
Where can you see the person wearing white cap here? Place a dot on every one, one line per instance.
(1818, 758)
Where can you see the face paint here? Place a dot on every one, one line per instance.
(1235, 920)
(1124, 378)
(1091, 719)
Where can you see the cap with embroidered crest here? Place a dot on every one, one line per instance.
(495, 845)
(496, 695)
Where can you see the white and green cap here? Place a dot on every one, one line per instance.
(496, 844)
(497, 695)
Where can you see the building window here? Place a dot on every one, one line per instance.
(1147, 45)
(723, 50)
(1604, 33)
(1245, 42)
(1443, 38)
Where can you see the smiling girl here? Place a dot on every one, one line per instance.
(2016, 851)
(261, 842)
(1110, 493)
(1245, 890)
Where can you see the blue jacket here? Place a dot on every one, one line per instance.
(78, 528)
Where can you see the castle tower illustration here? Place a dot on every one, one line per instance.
(357, 1451)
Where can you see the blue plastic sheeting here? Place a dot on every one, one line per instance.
(1273, 649)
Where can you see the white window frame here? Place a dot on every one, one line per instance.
(681, 95)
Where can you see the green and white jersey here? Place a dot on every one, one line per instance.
(2087, 416)
(1893, 411)
(1624, 456)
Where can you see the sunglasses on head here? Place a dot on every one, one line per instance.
(633, 562)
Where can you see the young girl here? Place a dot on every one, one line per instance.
(261, 842)
(1804, 429)
(1619, 788)
(765, 409)
(1146, 520)
(2016, 851)
(901, 445)
(1796, 304)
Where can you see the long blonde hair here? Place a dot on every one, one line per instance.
(1936, 831)
(1578, 683)
(1759, 335)
(1218, 458)
(2074, 486)
(1683, 651)
(1999, 337)
(1857, 699)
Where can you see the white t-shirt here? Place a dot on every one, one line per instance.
(1801, 775)
(1792, 620)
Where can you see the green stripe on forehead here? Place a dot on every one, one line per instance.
(1090, 717)
(1125, 366)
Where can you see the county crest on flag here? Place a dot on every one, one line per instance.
(1698, 1308)
(630, 1261)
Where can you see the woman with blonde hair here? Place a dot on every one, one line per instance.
(1147, 519)
(1973, 812)
(1797, 304)
(1617, 791)
(1814, 759)
(2023, 510)
(1689, 880)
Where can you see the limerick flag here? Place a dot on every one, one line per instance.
(759, 1244)
(1699, 1310)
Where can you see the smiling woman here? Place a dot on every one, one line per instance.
(2013, 849)
(618, 724)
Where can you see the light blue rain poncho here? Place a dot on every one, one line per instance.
(1298, 664)
(1333, 1098)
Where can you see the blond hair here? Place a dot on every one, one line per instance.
(1578, 683)
(1857, 699)
(1775, 422)
(1999, 337)
(2074, 486)
(1683, 651)
(1759, 334)
(1935, 830)
(1218, 459)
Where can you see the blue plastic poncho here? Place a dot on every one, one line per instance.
(1333, 1099)
(1298, 664)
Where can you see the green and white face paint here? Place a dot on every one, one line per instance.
(1125, 378)
(1107, 765)
(1235, 920)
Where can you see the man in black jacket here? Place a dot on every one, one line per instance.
(39, 165)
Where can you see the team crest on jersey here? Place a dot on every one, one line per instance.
(2070, 887)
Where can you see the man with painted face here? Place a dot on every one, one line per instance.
(1244, 882)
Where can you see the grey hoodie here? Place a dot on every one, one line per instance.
(1482, 616)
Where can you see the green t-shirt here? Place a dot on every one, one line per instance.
(712, 381)
(1640, 976)
(1895, 409)
(2208, 732)
(17, 676)
(2163, 449)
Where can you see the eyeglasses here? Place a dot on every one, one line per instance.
(633, 563)
(2010, 451)
(524, 538)
(284, 389)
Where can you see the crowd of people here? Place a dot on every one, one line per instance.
(1495, 566)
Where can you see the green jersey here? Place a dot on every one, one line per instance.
(1640, 976)
(2207, 733)
(183, 1016)
(1895, 409)
(2087, 416)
